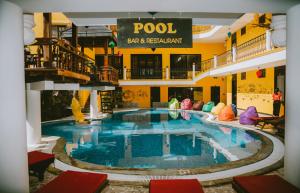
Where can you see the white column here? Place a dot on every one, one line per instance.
(234, 54)
(292, 130)
(33, 117)
(93, 104)
(167, 73)
(194, 71)
(13, 151)
(124, 73)
(268, 40)
(215, 61)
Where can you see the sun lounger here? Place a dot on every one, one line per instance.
(38, 162)
(75, 182)
(277, 122)
(175, 186)
(263, 184)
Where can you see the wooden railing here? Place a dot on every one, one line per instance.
(52, 53)
(108, 74)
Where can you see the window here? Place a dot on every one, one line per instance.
(243, 31)
(262, 19)
(182, 63)
(146, 66)
(118, 64)
(243, 75)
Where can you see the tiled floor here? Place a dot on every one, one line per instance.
(226, 188)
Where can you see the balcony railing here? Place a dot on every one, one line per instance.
(52, 53)
(108, 74)
(251, 48)
(224, 58)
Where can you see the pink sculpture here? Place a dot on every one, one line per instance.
(186, 104)
(245, 117)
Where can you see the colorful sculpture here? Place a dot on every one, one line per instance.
(185, 115)
(208, 106)
(173, 104)
(186, 104)
(234, 109)
(217, 109)
(198, 106)
(174, 114)
(76, 110)
(245, 117)
(226, 114)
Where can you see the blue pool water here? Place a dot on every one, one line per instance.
(154, 139)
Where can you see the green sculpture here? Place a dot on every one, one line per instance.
(208, 106)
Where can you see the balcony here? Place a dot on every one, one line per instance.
(253, 54)
(55, 59)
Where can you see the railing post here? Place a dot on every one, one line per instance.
(268, 40)
(194, 71)
(167, 73)
(234, 53)
(124, 73)
(215, 61)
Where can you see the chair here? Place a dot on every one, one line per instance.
(75, 182)
(175, 186)
(38, 162)
(277, 122)
(263, 184)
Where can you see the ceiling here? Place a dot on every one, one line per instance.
(177, 6)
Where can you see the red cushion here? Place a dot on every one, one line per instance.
(264, 184)
(175, 186)
(36, 157)
(75, 182)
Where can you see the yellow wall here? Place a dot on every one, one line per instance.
(251, 32)
(253, 91)
(137, 94)
(141, 94)
(207, 51)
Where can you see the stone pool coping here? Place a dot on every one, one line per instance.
(267, 159)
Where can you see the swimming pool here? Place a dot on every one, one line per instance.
(159, 139)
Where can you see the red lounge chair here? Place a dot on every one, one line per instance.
(75, 182)
(262, 184)
(38, 162)
(175, 186)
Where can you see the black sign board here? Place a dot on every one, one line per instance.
(154, 33)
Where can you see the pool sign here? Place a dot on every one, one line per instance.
(154, 33)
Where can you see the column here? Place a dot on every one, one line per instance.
(93, 104)
(194, 71)
(292, 130)
(268, 40)
(167, 73)
(13, 151)
(124, 73)
(33, 117)
(234, 53)
(215, 61)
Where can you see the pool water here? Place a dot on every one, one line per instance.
(154, 139)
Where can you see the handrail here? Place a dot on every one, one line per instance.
(252, 47)
(224, 58)
(207, 64)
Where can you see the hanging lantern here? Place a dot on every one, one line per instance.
(229, 34)
(153, 49)
(259, 73)
(111, 44)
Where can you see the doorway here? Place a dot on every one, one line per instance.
(234, 89)
(154, 95)
(215, 94)
(279, 80)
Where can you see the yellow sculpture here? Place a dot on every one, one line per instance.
(217, 109)
(76, 110)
